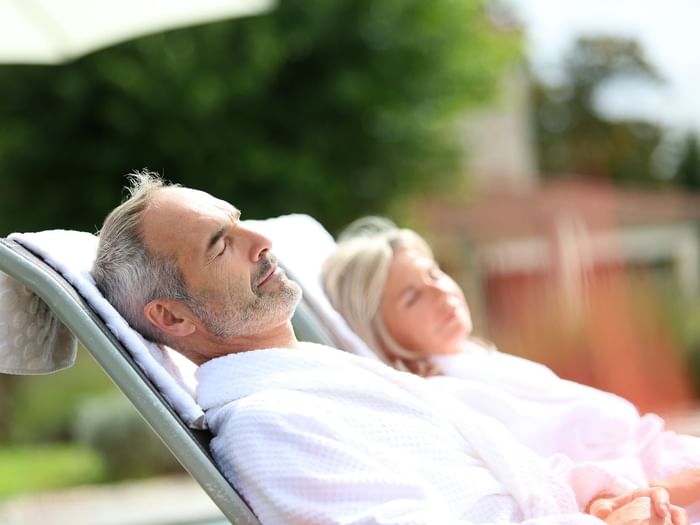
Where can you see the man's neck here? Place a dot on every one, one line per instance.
(209, 347)
(281, 336)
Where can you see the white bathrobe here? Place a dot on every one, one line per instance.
(552, 415)
(319, 436)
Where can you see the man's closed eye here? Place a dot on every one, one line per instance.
(223, 249)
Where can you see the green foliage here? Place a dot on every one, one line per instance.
(331, 108)
(573, 138)
(40, 408)
(687, 173)
(128, 447)
(79, 405)
(30, 469)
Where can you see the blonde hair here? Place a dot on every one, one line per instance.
(354, 278)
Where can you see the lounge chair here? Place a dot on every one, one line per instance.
(54, 265)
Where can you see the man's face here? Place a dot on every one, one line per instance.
(236, 288)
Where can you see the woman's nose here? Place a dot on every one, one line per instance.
(438, 291)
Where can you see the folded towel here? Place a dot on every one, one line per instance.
(32, 340)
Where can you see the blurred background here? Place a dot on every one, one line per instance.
(548, 150)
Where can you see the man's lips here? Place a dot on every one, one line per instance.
(268, 276)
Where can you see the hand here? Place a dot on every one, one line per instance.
(640, 512)
(642, 507)
(683, 488)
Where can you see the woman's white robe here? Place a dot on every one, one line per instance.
(552, 415)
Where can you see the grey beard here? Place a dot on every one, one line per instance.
(226, 321)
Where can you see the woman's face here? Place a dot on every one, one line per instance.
(423, 308)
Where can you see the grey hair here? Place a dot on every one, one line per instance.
(354, 277)
(124, 271)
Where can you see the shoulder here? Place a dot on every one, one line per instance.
(264, 411)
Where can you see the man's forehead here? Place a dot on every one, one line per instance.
(191, 200)
(178, 215)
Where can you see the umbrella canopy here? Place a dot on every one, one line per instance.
(55, 31)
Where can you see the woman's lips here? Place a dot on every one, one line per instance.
(450, 311)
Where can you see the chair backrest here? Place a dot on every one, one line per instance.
(188, 445)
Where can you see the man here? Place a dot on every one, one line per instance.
(313, 435)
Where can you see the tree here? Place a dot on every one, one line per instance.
(687, 173)
(331, 108)
(573, 137)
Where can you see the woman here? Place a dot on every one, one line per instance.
(385, 282)
(387, 285)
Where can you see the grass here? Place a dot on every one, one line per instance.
(44, 467)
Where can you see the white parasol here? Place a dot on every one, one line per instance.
(55, 31)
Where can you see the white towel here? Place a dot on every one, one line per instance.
(32, 340)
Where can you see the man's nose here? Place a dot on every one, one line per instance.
(258, 244)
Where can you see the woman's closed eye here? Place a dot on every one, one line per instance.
(410, 297)
(435, 273)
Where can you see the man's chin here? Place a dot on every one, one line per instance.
(295, 294)
(288, 297)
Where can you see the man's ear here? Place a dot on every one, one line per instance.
(171, 317)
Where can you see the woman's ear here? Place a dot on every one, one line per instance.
(170, 317)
